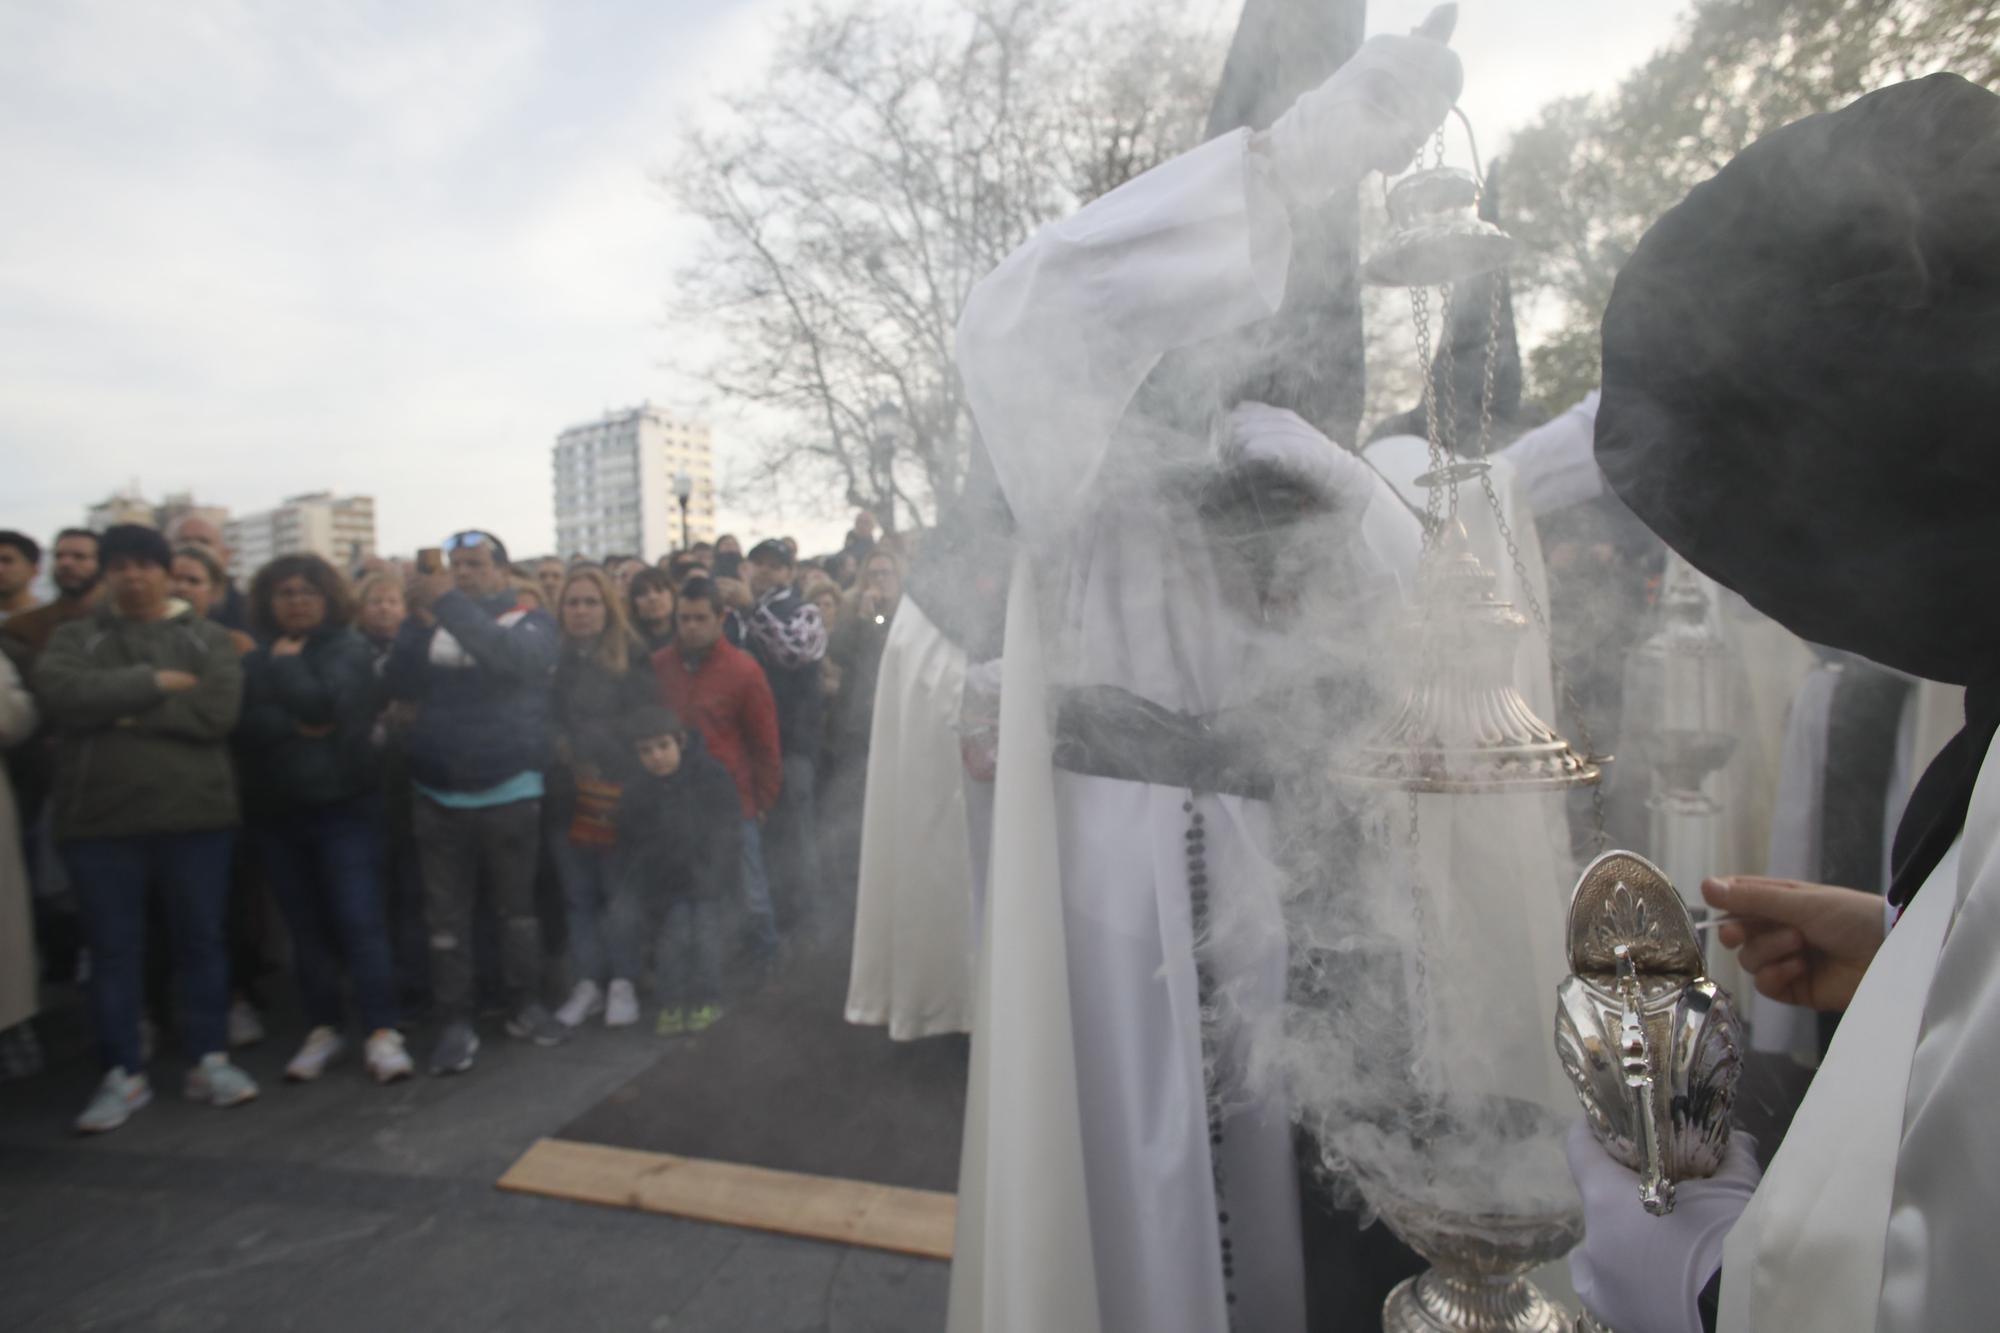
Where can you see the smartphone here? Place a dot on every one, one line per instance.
(430, 560)
(728, 565)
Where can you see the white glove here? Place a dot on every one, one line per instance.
(1258, 432)
(1638, 1273)
(1371, 114)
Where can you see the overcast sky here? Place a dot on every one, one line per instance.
(252, 249)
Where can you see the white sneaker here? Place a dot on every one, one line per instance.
(245, 1027)
(385, 1057)
(117, 1097)
(322, 1046)
(585, 1000)
(621, 1005)
(218, 1082)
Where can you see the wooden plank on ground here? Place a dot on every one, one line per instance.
(850, 1212)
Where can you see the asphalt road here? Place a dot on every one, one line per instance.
(340, 1205)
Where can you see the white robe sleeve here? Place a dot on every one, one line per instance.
(1937, 1262)
(1392, 536)
(1022, 1260)
(1053, 344)
(1555, 462)
(912, 961)
(1876, 1214)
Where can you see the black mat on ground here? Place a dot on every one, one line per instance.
(785, 1082)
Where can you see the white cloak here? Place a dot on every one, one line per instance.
(1877, 1212)
(1086, 1198)
(912, 966)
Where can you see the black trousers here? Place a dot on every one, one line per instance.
(488, 854)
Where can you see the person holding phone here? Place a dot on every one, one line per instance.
(477, 670)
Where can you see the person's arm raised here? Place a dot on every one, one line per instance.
(1054, 343)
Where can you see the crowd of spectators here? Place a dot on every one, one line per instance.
(470, 788)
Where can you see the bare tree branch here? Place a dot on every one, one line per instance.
(892, 157)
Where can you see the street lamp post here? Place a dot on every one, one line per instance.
(683, 488)
(887, 421)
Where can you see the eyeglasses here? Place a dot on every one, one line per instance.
(460, 540)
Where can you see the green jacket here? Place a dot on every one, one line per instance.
(130, 758)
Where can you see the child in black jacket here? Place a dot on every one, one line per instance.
(679, 847)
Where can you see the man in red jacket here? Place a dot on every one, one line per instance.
(721, 690)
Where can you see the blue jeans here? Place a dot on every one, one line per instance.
(112, 877)
(690, 953)
(757, 891)
(409, 934)
(599, 950)
(325, 866)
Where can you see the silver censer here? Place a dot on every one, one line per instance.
(1480, 1261)
(1652, 1046)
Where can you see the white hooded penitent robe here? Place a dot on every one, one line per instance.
(1877, 1211)
(1087, 1202)
(913, 938)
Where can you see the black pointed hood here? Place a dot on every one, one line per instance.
(1802, 378)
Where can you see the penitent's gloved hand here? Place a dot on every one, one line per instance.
(1258, 432)
(1638, 1273)
(1371, 114)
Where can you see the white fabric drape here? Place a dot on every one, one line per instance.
(912, 965)
(1086, 1106)
(1022, 1257)
(1554, 463)
(1876, 1212)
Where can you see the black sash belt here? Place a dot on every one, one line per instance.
(1103, 731)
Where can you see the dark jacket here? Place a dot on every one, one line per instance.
(29, 631)
(588, 708)
(654, 642)
(786, 636)
(482, 709)
(131, 759)
(233, 610)
(331, 683)
(31, 764)
(857, 649)
(681, 836)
